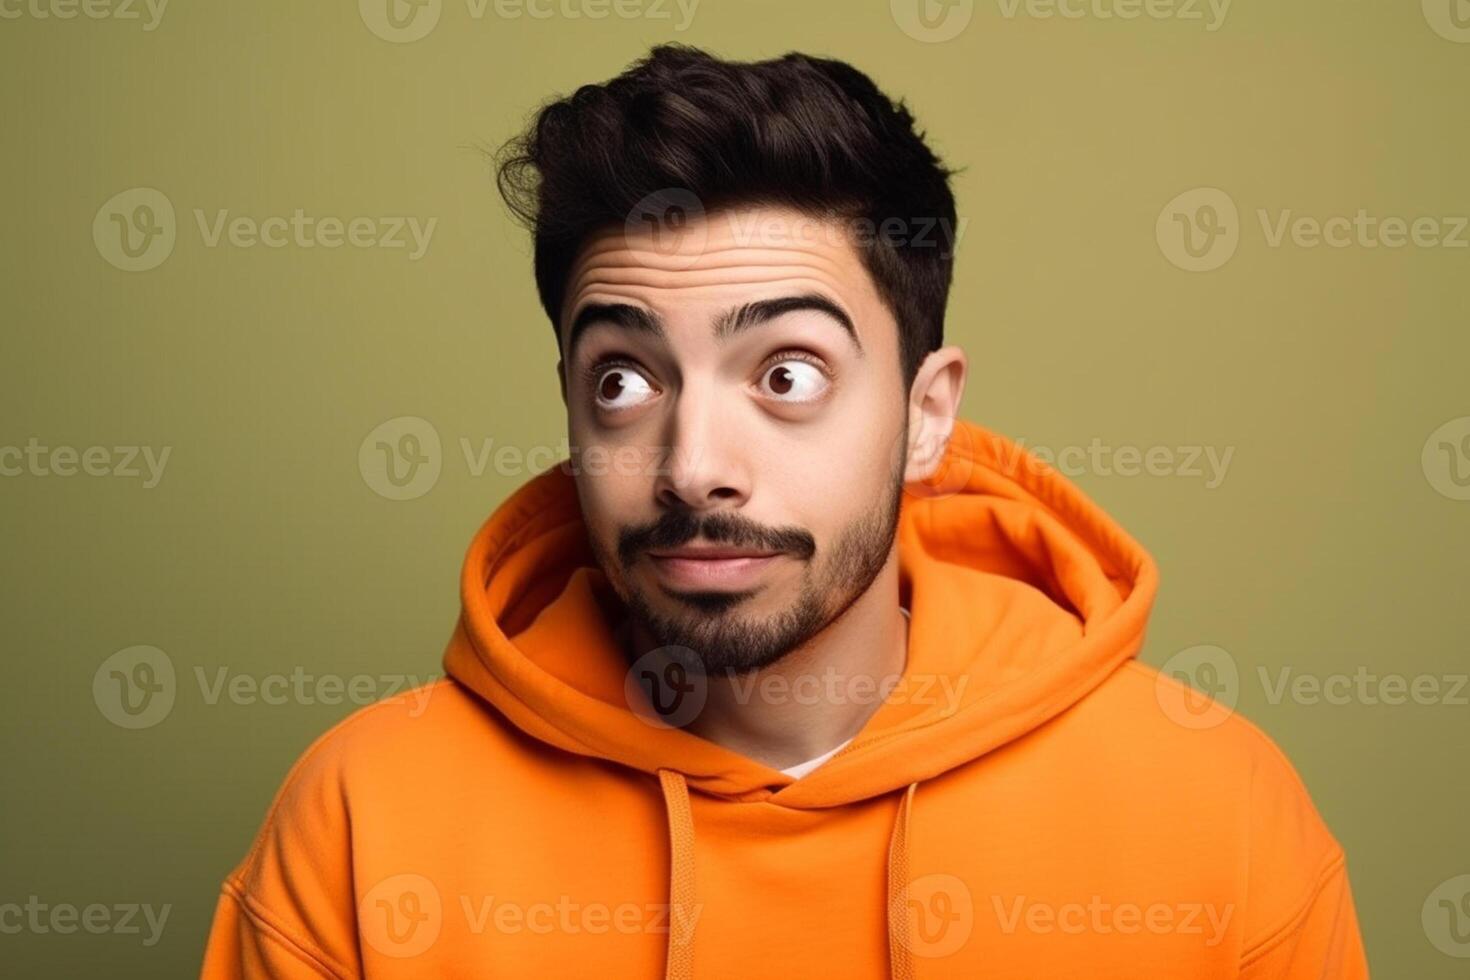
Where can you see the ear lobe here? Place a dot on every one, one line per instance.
(929, 446)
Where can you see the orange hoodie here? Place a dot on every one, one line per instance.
(1029, 802)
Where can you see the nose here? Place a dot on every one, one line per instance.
(703, 467)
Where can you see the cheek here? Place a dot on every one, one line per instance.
(610, 500)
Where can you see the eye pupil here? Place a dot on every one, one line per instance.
(612, 385)
(781, 380)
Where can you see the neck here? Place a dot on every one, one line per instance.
(817, 696)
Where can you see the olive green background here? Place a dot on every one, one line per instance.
(1332, 543)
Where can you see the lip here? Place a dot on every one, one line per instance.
(712, 568)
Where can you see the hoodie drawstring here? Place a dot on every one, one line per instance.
(680, 954)
(900, 964)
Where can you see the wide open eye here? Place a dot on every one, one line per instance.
(620, 386)
(794, 380)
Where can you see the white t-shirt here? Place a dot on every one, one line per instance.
(802, 768)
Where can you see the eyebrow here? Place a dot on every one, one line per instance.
(733, 321)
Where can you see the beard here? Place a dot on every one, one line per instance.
(707, 632)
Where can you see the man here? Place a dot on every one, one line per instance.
(788, 669)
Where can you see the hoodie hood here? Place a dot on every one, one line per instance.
(1023, 596)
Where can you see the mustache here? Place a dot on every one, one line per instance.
(679, 527)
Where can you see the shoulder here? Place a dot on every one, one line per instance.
(404, 742)
(1234, 781)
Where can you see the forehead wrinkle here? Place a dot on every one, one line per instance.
(715, 258)
(638, 275)
(722, 259)
(615, 258)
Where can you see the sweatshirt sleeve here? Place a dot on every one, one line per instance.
(1322, 943)
(286, 912)
(245, 946)
(1299, 911)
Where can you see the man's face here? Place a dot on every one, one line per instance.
(734, 387)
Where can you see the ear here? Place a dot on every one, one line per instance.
(934, 403)
(561, 378)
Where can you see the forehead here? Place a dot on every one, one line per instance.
(703, 265)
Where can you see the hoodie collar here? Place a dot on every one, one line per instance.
(1023, 597)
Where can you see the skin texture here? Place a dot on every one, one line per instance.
(783, 436)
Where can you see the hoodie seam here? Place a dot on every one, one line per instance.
(319, 962)
(1253, 952)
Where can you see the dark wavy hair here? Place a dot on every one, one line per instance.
(813, 134)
